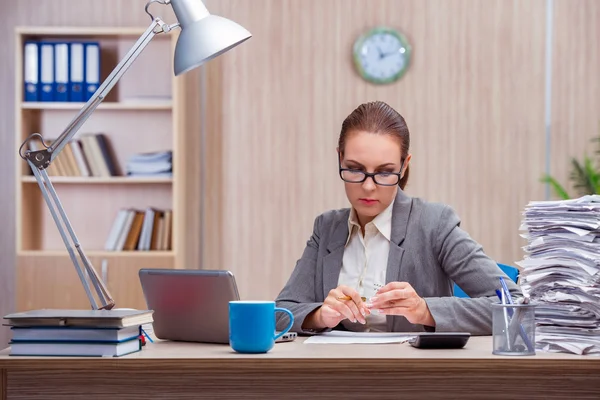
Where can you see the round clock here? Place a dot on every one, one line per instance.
(381, 55)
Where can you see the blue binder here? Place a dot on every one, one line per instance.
(61, 72)
(76, 72)
(92, 69)
(47, 71)
(31, 68)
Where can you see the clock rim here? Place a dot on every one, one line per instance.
(368, 34)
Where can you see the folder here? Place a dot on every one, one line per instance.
(92, 69)
(47, 71)
(61, 72)
(31, 72)
(76, 72)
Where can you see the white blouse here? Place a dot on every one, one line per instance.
(364, 264)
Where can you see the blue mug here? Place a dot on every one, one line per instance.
(252, 325)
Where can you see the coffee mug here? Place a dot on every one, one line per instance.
(252, 325)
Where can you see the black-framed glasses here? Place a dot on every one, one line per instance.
(380, 178)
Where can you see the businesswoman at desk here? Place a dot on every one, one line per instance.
(388, 263)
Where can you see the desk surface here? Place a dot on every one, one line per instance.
(295, 370)
(162, 353)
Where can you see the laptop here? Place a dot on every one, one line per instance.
(189, 305)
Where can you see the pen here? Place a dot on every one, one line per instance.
(506, 320)
(349, 298)
(506, 291)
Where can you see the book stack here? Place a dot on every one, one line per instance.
(91, 155)
(134, 229)
(85, 333)
(561, 273)
(156, 164)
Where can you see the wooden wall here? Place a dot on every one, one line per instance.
(473, 99)
(575, 85)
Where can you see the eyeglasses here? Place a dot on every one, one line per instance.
(380, 178)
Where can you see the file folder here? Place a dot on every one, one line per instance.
(47, 71)
(76, 72)
(31, 72)
(61, 72)
(92, 69)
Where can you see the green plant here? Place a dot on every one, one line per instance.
(585, 177)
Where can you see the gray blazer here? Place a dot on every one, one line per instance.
(428, 249)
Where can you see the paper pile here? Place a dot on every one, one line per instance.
(561, 273)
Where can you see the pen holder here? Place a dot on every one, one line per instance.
(513, 329)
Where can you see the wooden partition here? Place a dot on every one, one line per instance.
(473, 99)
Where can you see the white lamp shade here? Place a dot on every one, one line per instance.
(205, 39)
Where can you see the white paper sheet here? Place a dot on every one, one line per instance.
(344, 337)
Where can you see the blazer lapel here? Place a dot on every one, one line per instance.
(332, 262)
(400, 215)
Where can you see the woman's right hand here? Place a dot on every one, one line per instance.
(335, 308)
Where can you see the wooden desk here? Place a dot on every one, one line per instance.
(301, 371)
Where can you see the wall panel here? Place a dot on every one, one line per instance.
(575, 85)
(473, 100)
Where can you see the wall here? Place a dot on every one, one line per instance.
(575, 85)
(473, 100)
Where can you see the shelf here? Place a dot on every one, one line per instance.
(96, 253)
(121, 105)
(96, 180)
(82, 31)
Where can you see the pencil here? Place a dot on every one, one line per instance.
(350, 298)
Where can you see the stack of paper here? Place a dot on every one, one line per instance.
(155, 164)
(561, 273)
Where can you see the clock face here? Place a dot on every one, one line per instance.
(382, 55)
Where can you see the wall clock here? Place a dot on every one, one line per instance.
(381, 55)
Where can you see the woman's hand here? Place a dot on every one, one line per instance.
(399, 298)
(336, 308)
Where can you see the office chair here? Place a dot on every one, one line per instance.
(512, 272)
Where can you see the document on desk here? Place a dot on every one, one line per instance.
(345, 337)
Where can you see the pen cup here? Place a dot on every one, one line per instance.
(513, 329)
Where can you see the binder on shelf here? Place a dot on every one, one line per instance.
(31, 72)
(92, 69)
(61, 72)
(47, 71)
(76, 72)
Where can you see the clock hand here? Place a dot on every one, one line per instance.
(384, 55)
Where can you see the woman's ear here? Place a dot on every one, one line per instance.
(406, 162)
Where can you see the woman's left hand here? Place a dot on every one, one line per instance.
(400, 298)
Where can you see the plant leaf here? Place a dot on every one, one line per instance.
(559, 190)
(580, 179)
(593, 175)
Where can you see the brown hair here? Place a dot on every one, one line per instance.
(379, 118)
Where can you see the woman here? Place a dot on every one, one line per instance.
(389, 262)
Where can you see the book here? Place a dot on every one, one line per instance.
(92, 318)
(75, 349)
(74, 334)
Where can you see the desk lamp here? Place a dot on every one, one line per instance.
(203, 37)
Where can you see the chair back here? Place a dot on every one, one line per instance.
(511, 272)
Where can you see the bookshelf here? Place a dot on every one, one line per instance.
(143, 113)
